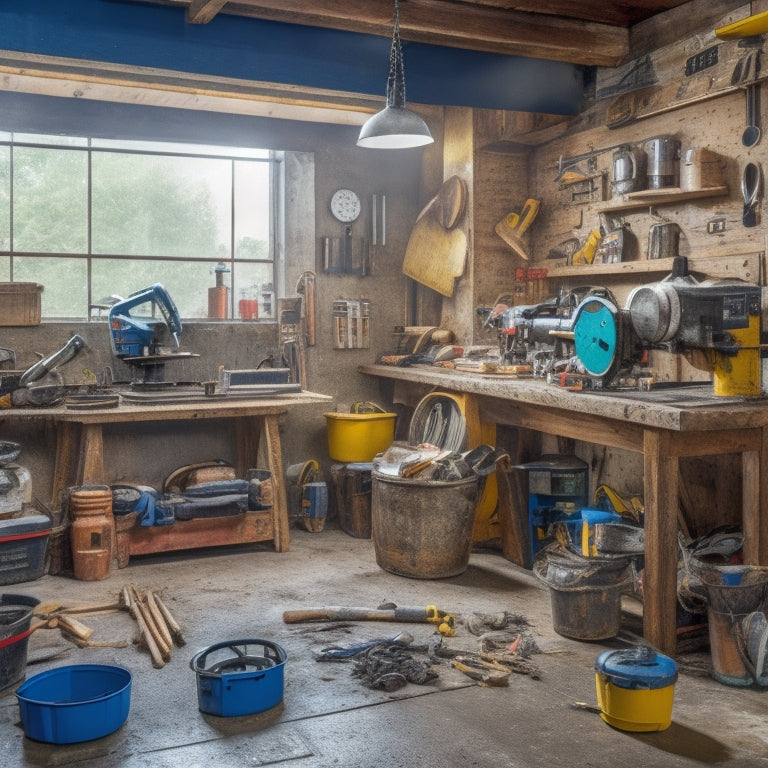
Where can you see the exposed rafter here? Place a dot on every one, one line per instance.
(492, 27)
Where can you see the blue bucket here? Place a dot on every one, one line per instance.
(239, 677)
(75, 703)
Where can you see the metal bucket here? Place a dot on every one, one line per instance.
(585, 592)
(733, 592)
(423, 528)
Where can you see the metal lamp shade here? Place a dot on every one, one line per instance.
(394, 128)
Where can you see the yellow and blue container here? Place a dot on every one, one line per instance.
(635, 688)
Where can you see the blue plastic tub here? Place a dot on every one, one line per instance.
(239, 677)
(75, 703)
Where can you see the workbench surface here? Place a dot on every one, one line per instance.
(664, 425)
(80, 449)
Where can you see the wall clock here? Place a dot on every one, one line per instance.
(345, 205)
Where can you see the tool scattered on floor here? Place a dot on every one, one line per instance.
(158, 630)
(55, 615)
(386, 612)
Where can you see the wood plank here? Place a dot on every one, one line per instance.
(202, 11)
(65, 464)
(280, 500)
(660, 499)
(90, 460)
(458, 25)
(744, 266)
(753, 527)
(573, 425)
(667, 78)
(201, 532)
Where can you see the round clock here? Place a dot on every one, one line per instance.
(345, 205)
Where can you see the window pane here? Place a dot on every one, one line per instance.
(187, 282)
(64, 281)
(252, 210)
(149, 205)
(50, 200)
(5, 198)
(253, 282)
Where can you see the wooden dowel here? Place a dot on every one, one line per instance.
(159, 620)
(149, 621)
(171, 622)
(146, 636)
(74, 627)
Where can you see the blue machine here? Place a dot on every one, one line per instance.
(558, 489)
(132, 332)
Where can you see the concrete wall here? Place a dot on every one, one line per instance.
(145, 453)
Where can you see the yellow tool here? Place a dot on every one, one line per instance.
(511, 228)
(631, 509)
(586, 254)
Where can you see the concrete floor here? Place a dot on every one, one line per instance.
(327, 717)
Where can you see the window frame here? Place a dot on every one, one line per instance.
(93, 145)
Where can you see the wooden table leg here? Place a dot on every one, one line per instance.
(754, 469)
(661, 466)
(247, 437)
(67, 448)
(275, 466)
(90, 460)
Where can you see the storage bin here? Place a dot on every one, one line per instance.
(353, 497)
(23, 543)
(20, 304)
(239, 677)
(15, 619)
(635, 688)
(355, 437)
(74, 703)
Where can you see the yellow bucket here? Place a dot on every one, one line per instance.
(356, 437)
(635, 689)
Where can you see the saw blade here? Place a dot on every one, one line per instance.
(596, 336)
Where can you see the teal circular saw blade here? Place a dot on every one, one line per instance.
(596, 336)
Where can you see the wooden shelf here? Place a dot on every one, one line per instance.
(744, 266)
(666, 196)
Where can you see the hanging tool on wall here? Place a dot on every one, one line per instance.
(306, 287)
(513, 226)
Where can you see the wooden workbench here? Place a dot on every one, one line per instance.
(80, 448)
(664, 425)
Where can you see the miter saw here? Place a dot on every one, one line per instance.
(539, 335)
(715, 324)
(136, 330)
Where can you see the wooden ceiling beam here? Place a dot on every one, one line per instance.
(436, 22)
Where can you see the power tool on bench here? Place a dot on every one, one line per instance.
(135, 330)
(715, 324)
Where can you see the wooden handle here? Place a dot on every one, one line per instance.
(315, 614)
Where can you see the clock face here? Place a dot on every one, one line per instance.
(345, 205)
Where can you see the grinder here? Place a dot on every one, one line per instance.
(715, 324)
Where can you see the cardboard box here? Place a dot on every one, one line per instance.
(20, 303)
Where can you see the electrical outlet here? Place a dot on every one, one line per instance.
(715, 226)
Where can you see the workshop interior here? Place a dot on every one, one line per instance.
(330, 409)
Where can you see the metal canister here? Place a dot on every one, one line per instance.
(663, 154)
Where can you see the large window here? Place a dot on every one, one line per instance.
(92, 220)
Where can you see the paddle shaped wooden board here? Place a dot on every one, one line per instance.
(435, 256)
(436, 253)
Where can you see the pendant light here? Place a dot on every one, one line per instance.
(395, 127)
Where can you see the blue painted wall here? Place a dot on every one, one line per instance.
(158, 36)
